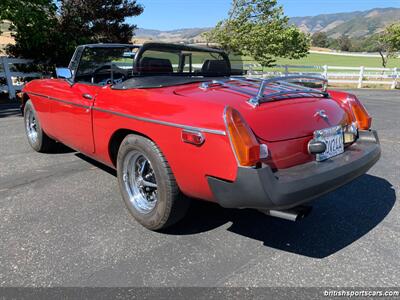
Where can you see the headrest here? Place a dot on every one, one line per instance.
(215, 68)
(155, 66)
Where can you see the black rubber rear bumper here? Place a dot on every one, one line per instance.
(264, 189)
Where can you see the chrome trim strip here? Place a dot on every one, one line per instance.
(70, 103)
(206, 130)
(36, 94)
(60, 100)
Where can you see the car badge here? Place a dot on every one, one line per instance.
(321, 113)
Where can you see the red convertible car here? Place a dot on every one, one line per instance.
(180, 122)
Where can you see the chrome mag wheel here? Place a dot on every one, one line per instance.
(31, 127)
(140, 181)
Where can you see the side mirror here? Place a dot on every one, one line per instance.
(63, 73)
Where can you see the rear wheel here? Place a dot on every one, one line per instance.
(37, 138)
(148, 185)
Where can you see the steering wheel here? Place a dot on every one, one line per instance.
(121, 76)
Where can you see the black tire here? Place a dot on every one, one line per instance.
(170, 205)
(40, 142)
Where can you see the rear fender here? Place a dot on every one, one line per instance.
(341, 98)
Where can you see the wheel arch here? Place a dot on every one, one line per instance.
(24, 98)
(116, 139)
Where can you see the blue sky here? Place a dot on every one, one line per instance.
(175, 14)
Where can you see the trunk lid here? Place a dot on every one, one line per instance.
(274, 121)
(294, 118)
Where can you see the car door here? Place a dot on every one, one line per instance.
(71, 111)
(74, 98)
(94, 67)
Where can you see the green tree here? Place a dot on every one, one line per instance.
(389, 43)
(259, 28)
(370, 43)
(344, 43)
(100, 20)
(333, 44)
(93, 21)
(32, 24)
(320, 39)
(49, 31)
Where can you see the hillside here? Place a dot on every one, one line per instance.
(355, 24)
(192, 35)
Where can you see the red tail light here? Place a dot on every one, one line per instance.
(360, 113)
(193, 137)
(244, 143)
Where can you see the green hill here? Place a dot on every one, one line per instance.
(355, 24)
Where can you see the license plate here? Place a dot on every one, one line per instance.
(333, 139)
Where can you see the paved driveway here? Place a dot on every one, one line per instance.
(64, 223)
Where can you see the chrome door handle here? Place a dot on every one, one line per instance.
(87, 96)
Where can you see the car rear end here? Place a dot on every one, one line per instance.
(291, 148)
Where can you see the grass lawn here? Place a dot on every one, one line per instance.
(314, 59)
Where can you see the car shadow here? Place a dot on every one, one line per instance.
(60, 148)
(97, 164)
(337, 220)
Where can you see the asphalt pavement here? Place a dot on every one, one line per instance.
(63, 223)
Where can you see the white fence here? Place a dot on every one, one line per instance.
(14, 80)
(359, 76)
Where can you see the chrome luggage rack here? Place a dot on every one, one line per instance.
(282, 87)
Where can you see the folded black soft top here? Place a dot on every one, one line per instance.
(148, 82)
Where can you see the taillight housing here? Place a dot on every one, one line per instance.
(192, 137)
(360, 113)
(243, 140)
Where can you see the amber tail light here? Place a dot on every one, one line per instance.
(360, 113)
(244, 143)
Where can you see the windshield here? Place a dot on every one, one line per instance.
(104, 65)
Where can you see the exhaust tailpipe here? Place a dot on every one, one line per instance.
(293, 214)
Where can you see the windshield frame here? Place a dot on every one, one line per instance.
(141, 49)
(80, 50)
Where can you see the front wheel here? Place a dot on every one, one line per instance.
(148, 185)
(37, 138)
